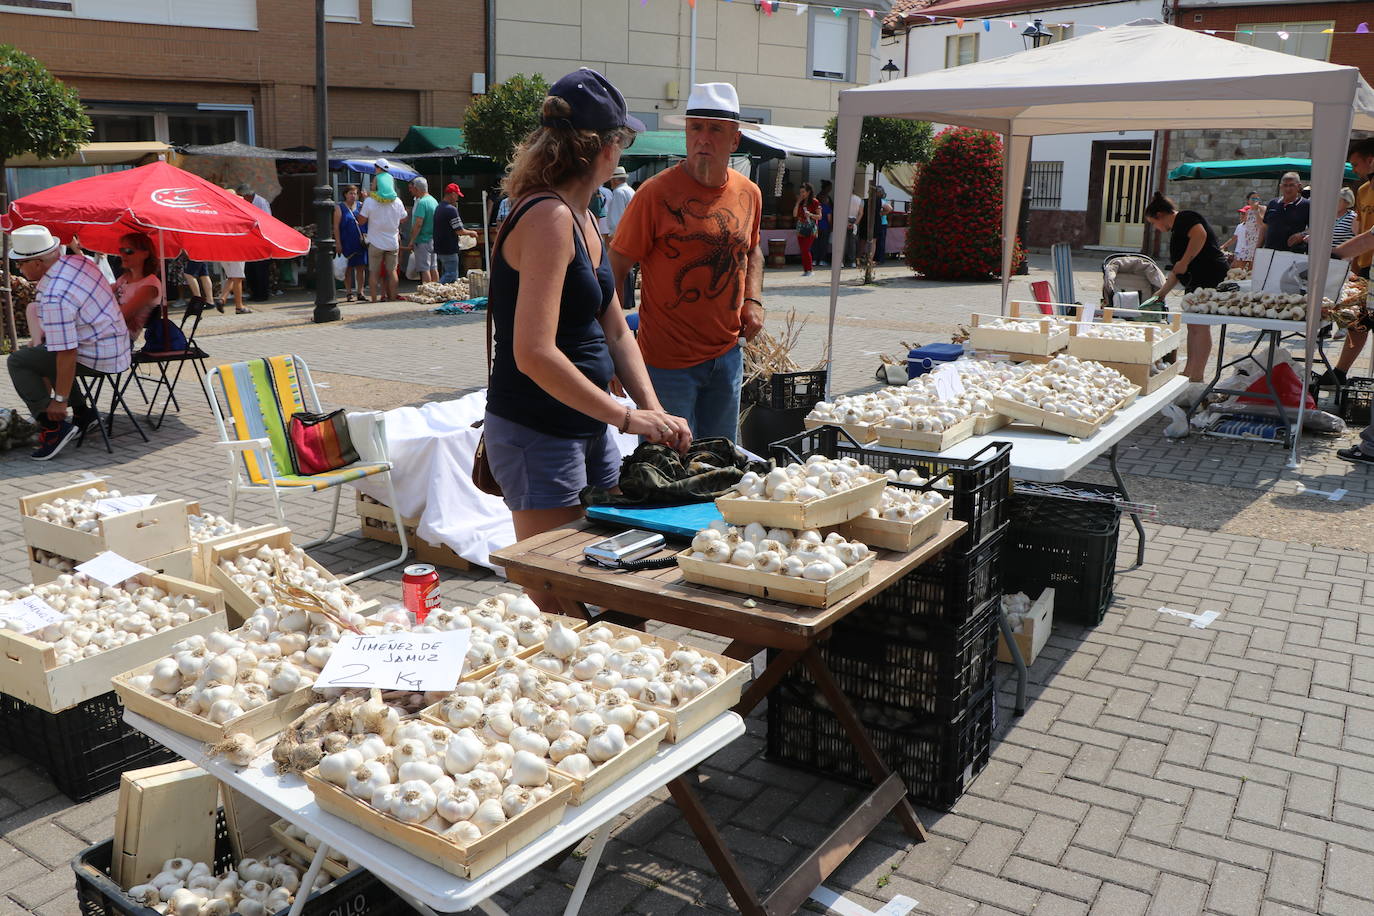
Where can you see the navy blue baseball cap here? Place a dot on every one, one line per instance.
(595, 103)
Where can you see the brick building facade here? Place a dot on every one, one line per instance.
(183, 84)
(1218, 199)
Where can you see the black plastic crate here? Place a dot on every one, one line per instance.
(787, 390)
(83, 749)
(1068, 545)
(917, 666)
(951, 588)
(979, 486)
(1353, 400)
(937, 758)
(357, 893)
(760, 426)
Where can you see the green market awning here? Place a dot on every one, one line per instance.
(1249, 168)
(653, 145)
(425, 142)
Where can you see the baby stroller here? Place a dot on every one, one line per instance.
(1130, 279)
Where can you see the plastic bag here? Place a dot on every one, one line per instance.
(1285, 384)
(340, 267)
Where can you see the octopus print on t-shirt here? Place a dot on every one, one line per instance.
(693, 244)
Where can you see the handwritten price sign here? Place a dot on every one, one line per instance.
(418, 662)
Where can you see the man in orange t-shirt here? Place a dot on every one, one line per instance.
(694, 231)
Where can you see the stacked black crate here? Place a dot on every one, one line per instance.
(918, 660)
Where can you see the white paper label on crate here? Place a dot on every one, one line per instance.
(28, 615)
(948, 383)
(1089, 313)
(419, 662)
(116, 505)
(110, 568)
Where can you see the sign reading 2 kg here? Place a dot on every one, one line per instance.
(419, 662)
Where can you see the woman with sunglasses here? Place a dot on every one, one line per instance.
(559, 335)
(139, 288)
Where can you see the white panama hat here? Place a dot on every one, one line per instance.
(29, 242)
(711, 102)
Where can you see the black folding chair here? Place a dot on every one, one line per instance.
(92, 386)
(164, 360)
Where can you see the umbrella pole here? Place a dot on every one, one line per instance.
(162, 265)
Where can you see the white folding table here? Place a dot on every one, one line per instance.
(428, 888)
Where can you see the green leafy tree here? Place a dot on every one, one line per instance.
(41, 115)
(884, 142)
(495, 122)
(959, 197)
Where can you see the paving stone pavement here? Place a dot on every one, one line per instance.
(1158, 769)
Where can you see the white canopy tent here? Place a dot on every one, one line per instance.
(1144, 75)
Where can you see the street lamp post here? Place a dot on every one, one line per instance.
(888, 71)
(1033, 35)
(326, 305)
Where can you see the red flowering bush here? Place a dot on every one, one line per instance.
(956, 212)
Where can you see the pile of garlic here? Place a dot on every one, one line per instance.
(900, 504)
(221, 676)
(817, 478)
(253, 572)
(251, 888)
(571, 726)
(803, 554)
(1016, 607)
(1072, 387)
(640, 667)
(502, 627)
(312, 842)
(75, 512)
(461, 785)
(1024, 325)
(906, 406)
(101, 617)
(1283, 306)
(54, 560)
(1112, 331)
(208, 526)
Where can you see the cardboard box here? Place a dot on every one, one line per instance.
(1035, 630)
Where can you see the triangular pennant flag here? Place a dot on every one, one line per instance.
(1283, 36)
(870, 13)
(1210, 31)
(801, 8)
(1362, 29)
(959, 23)
(1011, 25)
(692, 3)
(987, 26)
(928, 16)
(836, 10)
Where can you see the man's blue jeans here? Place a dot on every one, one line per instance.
(705, 395)
(448, 268)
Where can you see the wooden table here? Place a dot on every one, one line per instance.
(552, 562)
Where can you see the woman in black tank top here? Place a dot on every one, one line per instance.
(1199, 263)
(559, 333)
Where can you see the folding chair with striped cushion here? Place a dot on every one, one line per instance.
(261, 396)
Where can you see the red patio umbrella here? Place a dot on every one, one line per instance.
(179, 211)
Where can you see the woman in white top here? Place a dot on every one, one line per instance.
(1247, 232)
(138, 288)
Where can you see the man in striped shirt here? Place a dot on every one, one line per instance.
(83, 333)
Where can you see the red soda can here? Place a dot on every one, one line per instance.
(420, 590)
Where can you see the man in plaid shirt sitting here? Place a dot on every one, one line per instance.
(83, 332)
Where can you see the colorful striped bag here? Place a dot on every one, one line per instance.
(320, 442)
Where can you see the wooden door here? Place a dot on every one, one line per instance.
(1125, 191)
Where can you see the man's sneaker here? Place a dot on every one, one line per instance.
(1354, 454)
(1331, 378)
(53, 440)
(88, 422)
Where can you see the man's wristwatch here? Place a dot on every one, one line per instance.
(60, 398)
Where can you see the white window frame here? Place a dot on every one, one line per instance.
(851, 49)
(1310, 29)
(1059, 32)
(408, 22)
(952, 44)
(340, 11)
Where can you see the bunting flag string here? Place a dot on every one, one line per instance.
(769, 7)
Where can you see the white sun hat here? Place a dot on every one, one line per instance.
(28, 242)
(712, 102)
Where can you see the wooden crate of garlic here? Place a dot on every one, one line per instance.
(249, 887)
(816, 494)
(1241, 304)
(463, 800)
(591, 735)
(245, 567)
(1068, 395)
(792, 567)
(686, 687)
(1034, 336)
(106, 630)
(904, 520)
(1125, 341)
(68, 521)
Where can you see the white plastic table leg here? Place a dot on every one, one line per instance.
(584, 877)
(308, 882)
(490, 908)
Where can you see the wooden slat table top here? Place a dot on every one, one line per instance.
(552, 561)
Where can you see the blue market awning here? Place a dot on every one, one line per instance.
(1249, 168)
